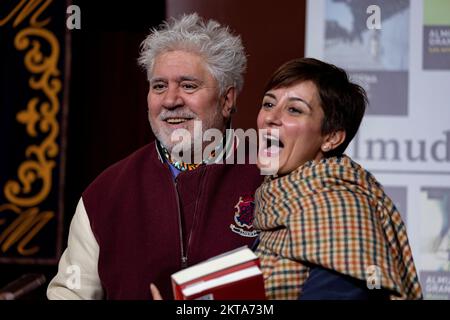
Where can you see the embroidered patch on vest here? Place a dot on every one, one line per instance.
(243, 217)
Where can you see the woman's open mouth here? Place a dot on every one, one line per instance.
(271, 145)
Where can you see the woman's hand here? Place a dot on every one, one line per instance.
(155, 292)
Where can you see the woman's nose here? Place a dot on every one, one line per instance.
(273, 117)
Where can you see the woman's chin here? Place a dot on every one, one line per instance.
(268, 165)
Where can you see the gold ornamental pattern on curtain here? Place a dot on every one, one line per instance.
(32, 37)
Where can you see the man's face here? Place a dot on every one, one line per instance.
(182, 91)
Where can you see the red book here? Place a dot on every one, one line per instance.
(234, 275)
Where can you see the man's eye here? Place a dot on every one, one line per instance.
(158, 86)
(189, 86)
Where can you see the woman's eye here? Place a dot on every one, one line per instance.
(267, 105)
(294, 110)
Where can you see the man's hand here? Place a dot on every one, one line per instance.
(155, 292)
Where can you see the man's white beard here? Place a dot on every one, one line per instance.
(188, 146)
(191, 144)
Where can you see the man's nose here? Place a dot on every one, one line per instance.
(172, 98)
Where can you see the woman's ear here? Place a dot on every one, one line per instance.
(228, 101)
(333, 140)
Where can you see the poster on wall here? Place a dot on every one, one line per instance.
(435, 241)
(436, 35)
(398, 51)
(375, 58)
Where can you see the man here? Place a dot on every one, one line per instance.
(152, 214)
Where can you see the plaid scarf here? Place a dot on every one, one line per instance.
(334, 214)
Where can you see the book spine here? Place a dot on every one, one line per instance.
(177, 293)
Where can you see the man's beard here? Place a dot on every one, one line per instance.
(165, 135)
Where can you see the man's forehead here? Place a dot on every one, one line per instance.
(180, 63)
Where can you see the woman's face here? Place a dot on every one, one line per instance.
(296, 112)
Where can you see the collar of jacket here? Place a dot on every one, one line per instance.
(230, 142)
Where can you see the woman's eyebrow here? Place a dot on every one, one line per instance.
(301, 100)
(270, 95)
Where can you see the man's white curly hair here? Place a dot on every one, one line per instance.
(223, 52)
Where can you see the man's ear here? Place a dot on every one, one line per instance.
(228, 101)
(333, 140)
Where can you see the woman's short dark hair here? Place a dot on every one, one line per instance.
(342, 101)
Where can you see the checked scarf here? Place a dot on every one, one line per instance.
(334, 214)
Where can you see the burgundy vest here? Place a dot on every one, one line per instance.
(133, 211)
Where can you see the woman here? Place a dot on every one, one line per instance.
(328, 230)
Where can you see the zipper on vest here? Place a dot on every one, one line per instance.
(184, 259)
